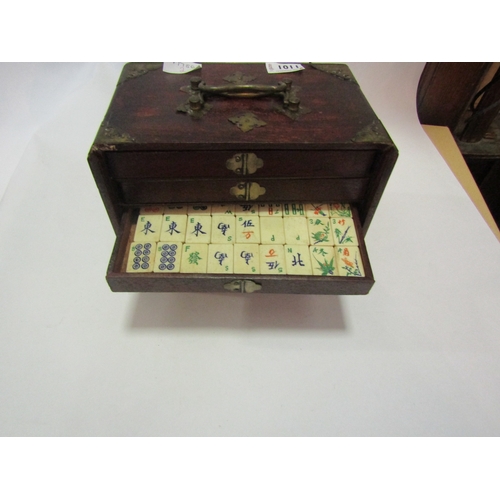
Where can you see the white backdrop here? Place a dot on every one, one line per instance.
(417, 356)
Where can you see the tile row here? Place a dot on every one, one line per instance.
(244, 258)
(317, 231)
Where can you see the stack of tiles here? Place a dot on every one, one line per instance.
(316, 239)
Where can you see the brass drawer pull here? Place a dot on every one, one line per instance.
(243, 286)
(244, 163)
(247, 191)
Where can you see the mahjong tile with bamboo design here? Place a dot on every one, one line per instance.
(317, 210)
(349, 261)
(319, 231)
(293, 209)
(270, 210)
(323, 261)
(344, 231)
(340, 210)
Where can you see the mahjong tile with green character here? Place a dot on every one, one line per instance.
(319, 231)
(173, 228)
(272, 259)
(199, 209)
(296, 230)
(340, 210)
(223, 209)
(175, 209)
(323, 261)
(246, 258)
(199, 229)
(272, 230)
(349, 261)
(223, 228)
(344, 231)
(298, 259)
(247, 228)
(151, 210)
(246, 209)
(194, 258)
(293, 210)
(317, 210)
(168, 257)
(148, 228)
(270, 210)
(220, 259)
(141, 257)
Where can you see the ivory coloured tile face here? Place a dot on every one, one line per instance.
(323, 261)
(246, 209)
(319, 231)
(272, 259)
(296, 230)
(270, 210)
(148, 228)
(141, 257)
(174, 209)
(340, 210)
(246, 258)
(220, 259)
(349, 261)
(168, 257)
(344, 232)
(173, 228)
(198, 228)
(194, 258)
(151, 210)
(317, 210)
(223, 209)
(247, 229)
(272, 230)
(298, 260)
(199, 209)
(223, 228)
(294, 210)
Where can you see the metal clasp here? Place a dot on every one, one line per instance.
(243, 286)
(247, 191)
(244, 163)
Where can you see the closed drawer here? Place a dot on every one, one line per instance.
(120, 280)
(205, 164)
(140, 192)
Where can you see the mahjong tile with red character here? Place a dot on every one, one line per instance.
(148, 228)
(344, 231)
(317, 210)
(220, 259)
(223, 229)
(173, 228)
(270, 210)
(272, 259)
(323, 261)
(151, 210)
(247, 229)
(168, 257)
(298, 259)
(349, 261)
(340, 210)
(246, 258)
(293, 210)
(199, 229)
(319, 231)
(141, 257)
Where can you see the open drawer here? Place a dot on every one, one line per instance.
(300, 248)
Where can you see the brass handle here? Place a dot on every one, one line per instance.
(244, 163)
(243, 286)
(247, 191)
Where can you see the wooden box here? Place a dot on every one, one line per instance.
(303, 137)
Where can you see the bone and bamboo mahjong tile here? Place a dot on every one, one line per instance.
(309, 239)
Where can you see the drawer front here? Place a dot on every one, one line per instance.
(121, 281)
(222, 190)
(230, 164)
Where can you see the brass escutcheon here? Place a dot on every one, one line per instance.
(247, 191)
(244, 163)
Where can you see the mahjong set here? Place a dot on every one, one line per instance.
(209, 191)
